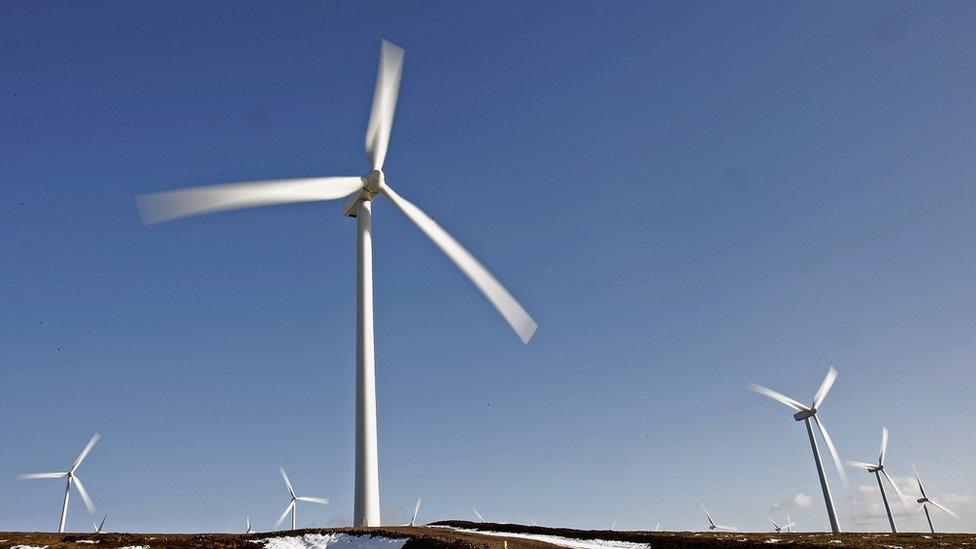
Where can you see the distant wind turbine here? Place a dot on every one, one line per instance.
(878, 469)
(98, 527)
(711, 523)
(293, 504)
(805, 413)
(363, 190)
(481, 518)
(416, 509)
(72, 480)
(925, 500)
(786, 526)
(534, 523)
(247, 526)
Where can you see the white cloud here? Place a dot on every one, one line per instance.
(799, 501)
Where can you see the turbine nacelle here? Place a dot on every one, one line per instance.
(805, 414)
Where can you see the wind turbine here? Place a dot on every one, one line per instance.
(805, 413)
(711, 523)
(878, 470)
(481, 518)
(925, 499)
(779, 528)
(364, 189)
(416, 509)
(293, 504)
(247, 526)
(98, 527)
(72, 480)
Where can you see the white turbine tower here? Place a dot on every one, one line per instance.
(201, 200)
(925, 500)
(805, 413)
(878, 469)
(72, 480)
(293, 504)
(711, 523)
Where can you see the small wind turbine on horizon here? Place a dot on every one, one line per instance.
(98, 527)
(363, 190)
(711, 523)
(73, 480)
(925, 500)
(878, 470)
(247, 526)
(786, 526)
(481, 518)
(805, 413)
(293, 504)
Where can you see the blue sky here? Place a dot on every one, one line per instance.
(686, 197)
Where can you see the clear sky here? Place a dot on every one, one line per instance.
(685, 196)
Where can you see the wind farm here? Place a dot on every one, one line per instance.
(674, 202)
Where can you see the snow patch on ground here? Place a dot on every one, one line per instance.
(135, 547)
(86, 541)
(28, 547)
(565, 542)
(332, 541)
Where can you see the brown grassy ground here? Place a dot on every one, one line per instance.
(443, 538)
(683, 540)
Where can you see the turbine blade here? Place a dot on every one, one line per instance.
(944, 508)
(320, 501)
(771, 521)
(709, 517)
(84, 494)
(168, 205)
(479, 515)
(42, 475)
(833, 450)
(861, 465)
(84, 453)
(284, 475)
(901, 496)
(778, 397)
(416, 509)
(384, 103)
(727, 528)
(510, 309)
(884, 445)
(918, 480)
(285, 513)
(824, 387)
(102, 524)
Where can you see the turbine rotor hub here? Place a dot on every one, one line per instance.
(373, 181)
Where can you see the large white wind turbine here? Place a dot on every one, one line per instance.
(925, 500)
(804, 413)
(293, 504)
(201, 200)
(711, 523)
(878, 469)
(73, 480)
